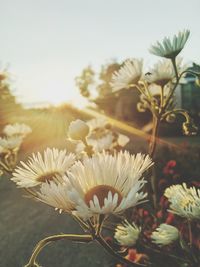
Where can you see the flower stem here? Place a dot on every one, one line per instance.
(110, 250)
(175, 85)
(152, 188)
(48, 240)
(152, 145)
(190, 233)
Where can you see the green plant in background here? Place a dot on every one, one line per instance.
(98, 180)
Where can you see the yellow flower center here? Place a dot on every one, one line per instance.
(101, 191)
(185, 202)
(47, 177)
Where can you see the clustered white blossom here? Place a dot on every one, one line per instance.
(10, 143)
(101, 184)
(95, 180)
(184, 201)
(127, 233)
(131, 72)
(96, 134)
(165, 234)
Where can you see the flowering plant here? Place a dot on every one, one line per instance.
(10, 143)
(104, 187)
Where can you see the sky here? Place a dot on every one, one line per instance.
(45, 44)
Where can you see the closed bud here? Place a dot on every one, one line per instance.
(78, 130)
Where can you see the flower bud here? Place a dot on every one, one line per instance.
(127, 233)
(189, 128)
(171, 118)
(165, 234)
(78, 130)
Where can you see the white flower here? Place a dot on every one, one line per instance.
(100, 144)
(163, 72)
(165, 234)
(122, 140)
(17, 129)
(103, 137)
(56, 195)
(76, 147)
(128, 75)
(170, 48)
(10, 143)
(100, 136)
(96, 123)
(106, 184)
(38, 169)
(78, 130)
(184, 201)
(127, 234)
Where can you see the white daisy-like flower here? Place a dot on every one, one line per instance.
(38, 169)
(184, 201)
(78, 130)
(128, 75)
(127, 233)
(56, 195)
(163, 72)
(17, 129)
(10, 142)
(97, 123)
(170, 48)
(100, 136)
(165, 234)
(103, 137)
(103, 143)
(106, 184)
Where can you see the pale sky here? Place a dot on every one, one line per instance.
(46, 43)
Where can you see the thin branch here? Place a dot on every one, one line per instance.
(53, 238)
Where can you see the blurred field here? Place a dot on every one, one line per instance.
(23, 222)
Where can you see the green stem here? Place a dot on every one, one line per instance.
(190, 233)
(110, 250)
(178, 111)
(152, 145)
(161, 98)
(175, 85)
(48, 240)
(175, 68)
